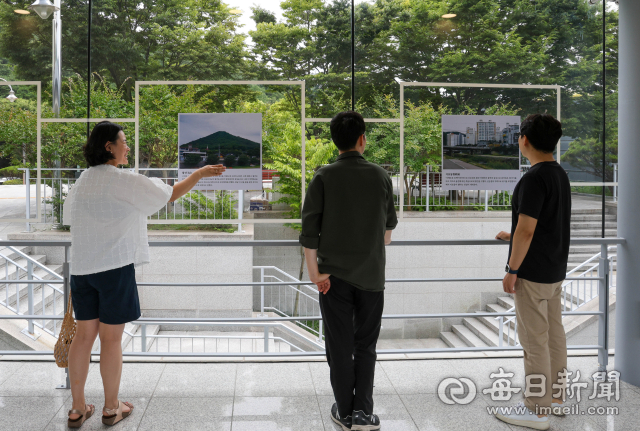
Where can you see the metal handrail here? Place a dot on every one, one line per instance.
(36, 263)
(266, 322)
(275, 268)
(30, 283)
(295, 243)
(508, 321)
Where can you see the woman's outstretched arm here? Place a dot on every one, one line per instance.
(181, 188)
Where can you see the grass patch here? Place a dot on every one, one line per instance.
(444, 204)
(487, 162)
(590, 190)
(13, 183)
(194, 227)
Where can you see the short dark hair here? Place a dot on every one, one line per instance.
(346, 128)
(543, 131)
(94, 151)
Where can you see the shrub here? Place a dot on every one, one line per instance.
(198, 206)
(13, 183)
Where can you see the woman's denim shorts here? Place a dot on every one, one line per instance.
(111, 296)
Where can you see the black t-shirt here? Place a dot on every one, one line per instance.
(544, 193)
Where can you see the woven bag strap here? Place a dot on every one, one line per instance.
(70, 304)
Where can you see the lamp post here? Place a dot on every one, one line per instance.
(44, 8)
(12, 96)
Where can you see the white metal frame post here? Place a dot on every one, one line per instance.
(627, 336)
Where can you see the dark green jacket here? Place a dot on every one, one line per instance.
(347, 210)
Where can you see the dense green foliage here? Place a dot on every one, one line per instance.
(225, 143)
(556, 42)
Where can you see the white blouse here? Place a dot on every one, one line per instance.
(107, 209)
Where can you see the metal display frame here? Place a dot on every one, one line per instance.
(303, 124)
(403, 85)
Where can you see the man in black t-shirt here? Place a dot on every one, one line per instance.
(537, 265)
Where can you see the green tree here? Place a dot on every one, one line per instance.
(192, 160)
(243, 160)
(213, 158)
(260, 15)
(286, 159)
(422, 138)
(199, 206)
(147, 40)
(229, 160)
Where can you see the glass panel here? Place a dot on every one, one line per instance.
(18, 138)
(26, 46)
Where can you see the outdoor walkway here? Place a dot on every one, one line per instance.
(292, 396)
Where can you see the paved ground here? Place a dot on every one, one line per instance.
(292, 396)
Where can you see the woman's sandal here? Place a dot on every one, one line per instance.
(84, 415)
(113, 416)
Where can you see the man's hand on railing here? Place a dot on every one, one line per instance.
(504, 236)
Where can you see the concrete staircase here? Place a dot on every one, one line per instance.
(587, 223)
(481, 331)
(46, 300)
(484, 331)
(15, 297)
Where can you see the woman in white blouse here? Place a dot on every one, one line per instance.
(107, 210)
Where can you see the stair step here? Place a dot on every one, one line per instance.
(577, 293)
(592, 217)
(594, 233)
(592, 225)
(11, 254)
(492, 324)
(586, 249)
(506, 302)
(483, 332)
(452, 340)
(467, 336)
(582, 257)
(495, 308)
(9, 271)
(586, 211)
(23, 289)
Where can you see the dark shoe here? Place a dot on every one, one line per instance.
(345, 423)
(363, 422)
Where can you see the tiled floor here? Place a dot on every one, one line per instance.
(292, 396)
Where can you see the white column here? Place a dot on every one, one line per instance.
(627, 342)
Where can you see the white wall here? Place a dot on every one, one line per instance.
(421, 262)
(441, 262)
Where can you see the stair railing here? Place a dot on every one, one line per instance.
(567, 286)
(308, 305)
(29, 271)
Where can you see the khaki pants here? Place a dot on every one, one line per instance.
(541, 334)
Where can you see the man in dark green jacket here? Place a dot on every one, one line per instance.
(347, 219)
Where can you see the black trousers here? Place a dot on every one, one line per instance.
(352, 319)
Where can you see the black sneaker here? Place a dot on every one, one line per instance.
(345, 423)
(363, 422)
